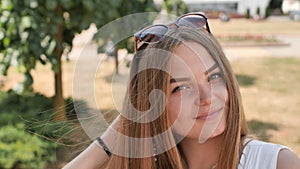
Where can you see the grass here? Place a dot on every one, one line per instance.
(264, 27)
(270, 90)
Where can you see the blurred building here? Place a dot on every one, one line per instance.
(213, 5)
(228, 6)
(290, 5)
(253, 6)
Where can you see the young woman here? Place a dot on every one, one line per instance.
(182, 110)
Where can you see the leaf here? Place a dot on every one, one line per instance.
(24, 37)
(11, 30)
(33, 3)
(34, 47)
(25, 22)
(51, 4)
(88, 4)
(51, 47)
(53, 29)
(18, 148)
(67, 4)
(6, 41)
(6, 5)
(84, 24)
(28, 79)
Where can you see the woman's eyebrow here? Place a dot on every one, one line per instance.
(180, 79)
(213, 67)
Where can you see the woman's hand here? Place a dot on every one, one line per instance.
(94, 156)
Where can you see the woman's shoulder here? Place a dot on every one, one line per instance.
(257, 148)
(253, 144)
(287, 159)
(260, 154)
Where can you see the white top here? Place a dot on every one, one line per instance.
(259, 155)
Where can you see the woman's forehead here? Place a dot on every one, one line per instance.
(190, 57)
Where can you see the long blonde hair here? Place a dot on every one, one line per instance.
(143, 81)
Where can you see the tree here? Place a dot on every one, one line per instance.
(247, 14)
(34, 31)
(267, 11)
(275, 4)
(126, 8)
(176, 7)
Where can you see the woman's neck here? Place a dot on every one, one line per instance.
(201, 156)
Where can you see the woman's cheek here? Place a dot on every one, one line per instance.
(173, 111)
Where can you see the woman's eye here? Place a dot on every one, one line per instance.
(214, 76)
(179, 88)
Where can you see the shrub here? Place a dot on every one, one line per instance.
(257, 11)
(22, 150)
(247, 14)
(34, 111)
(181, 7)
(267, 11)
(17, 108)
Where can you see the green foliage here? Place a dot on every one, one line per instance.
(34, 31)
(247, 14)
(114, 33)
(22, 150)
(135, 6)
(38, 30)
(267, 11)
(16, 108)
(275, 4)
(35, 111)
(258, 11)
(177, 8)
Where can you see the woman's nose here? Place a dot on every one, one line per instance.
(203, 94)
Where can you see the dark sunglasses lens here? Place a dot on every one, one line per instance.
(153, 34)
(195, 21)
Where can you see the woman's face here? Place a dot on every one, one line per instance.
(197, 102)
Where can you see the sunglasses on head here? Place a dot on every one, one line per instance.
(154, 33)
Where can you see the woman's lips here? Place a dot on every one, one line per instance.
(208, 115)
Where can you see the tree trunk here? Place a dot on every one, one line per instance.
(59, 103)
(116, 61)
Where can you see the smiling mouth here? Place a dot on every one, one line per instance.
(208, 116)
